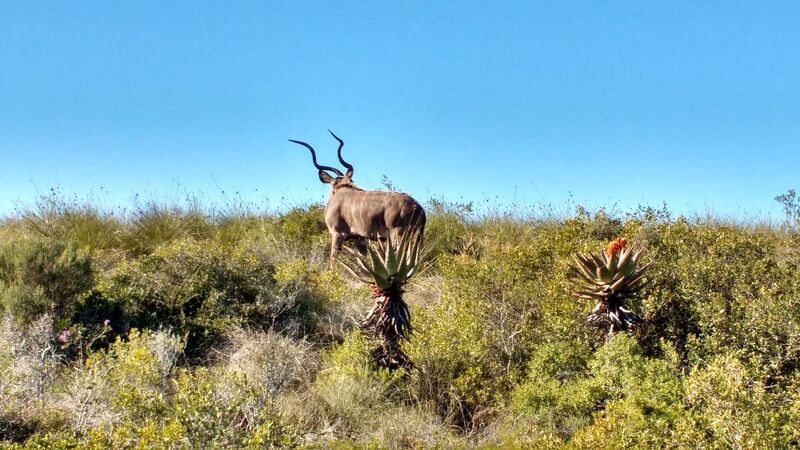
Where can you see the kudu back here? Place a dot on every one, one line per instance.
(353, 213)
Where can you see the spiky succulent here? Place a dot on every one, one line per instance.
(387, 266)
(611, 279)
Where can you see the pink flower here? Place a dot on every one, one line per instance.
(63, 336)
(107, 324)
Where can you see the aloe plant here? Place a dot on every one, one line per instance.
(387, 266)
(611, 279)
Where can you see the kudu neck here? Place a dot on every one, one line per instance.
(345, 187)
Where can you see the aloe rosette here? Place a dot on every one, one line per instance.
(387, 266)
(611, 279)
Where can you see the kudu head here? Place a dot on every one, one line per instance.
(341, 179)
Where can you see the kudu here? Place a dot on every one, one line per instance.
(353, 213)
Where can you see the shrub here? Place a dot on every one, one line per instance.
(42, 275)
(477, 338)
(447, 229)
(236, 227)
(128, 383)
(270, 361)
(641, 397)
(29, 366)
(617, 398)
(348, 393)
(729, 407)
(555, 401)
(303, 226)
(218, 411)
(132, 396)
(200, 289)
(503, 355)
(58, 440)
(717, 287)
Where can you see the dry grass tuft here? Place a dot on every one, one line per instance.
(269, 360)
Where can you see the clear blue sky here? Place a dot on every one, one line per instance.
(696, 104)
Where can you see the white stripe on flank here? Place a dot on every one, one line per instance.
(383, 212)
(361, 209)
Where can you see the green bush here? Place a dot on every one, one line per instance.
(555, 400)
(252, 341)
(352, 403)
(304, 227)
(493, 311)
(717, 287)
(60, 440)
(200, 289)
(349, 393)
(614, 398)
(43, 275)
(234, 228)
(729, 407)
(209, 410)
(472, 341)
(127, 383)
(132, 396)
(641, 397)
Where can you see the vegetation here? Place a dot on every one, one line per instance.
(386, 267)
(179, 326)
(611, 280)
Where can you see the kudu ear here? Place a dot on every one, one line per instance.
(325, 178)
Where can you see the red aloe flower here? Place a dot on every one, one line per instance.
(616, 246)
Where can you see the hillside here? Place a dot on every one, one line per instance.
(176, 326)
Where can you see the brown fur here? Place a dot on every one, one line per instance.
(353, 213)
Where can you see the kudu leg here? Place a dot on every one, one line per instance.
(336, 246)
(361, 245)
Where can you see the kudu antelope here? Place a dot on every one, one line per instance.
(353, 213)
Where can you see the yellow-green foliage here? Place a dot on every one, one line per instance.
(354, 404)
(494, 310)
(715, 288)
(42, 275)
(349, 388)
(201, 289)
(128, 383)
(477, 340)
(303, 226)
(153, 223)
(448, 228)
(70, 221)
(252, 340)
(642, 397)
(729, 407)
(614, 398)
(216, 411)
(131, 396)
